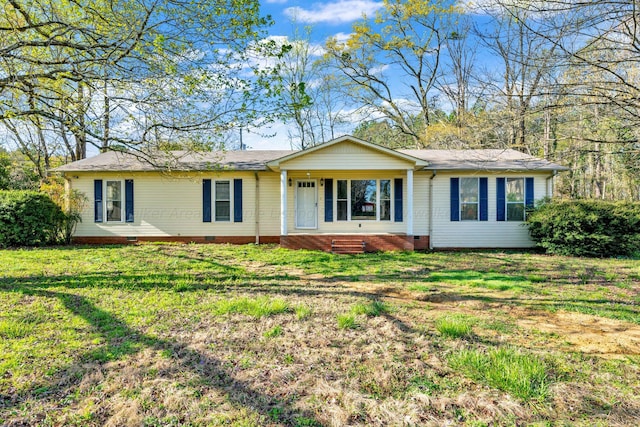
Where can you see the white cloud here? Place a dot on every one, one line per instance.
(336, 12)
(341, 37)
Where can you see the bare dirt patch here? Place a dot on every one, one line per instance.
(592, 335)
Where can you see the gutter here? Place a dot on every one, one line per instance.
(431, 209)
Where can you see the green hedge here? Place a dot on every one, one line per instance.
(29, 218)
(591, 228)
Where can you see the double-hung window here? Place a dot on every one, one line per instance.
(342, 200)
(218, 199)
(515, 199)
(469, 199)
(222, 207)
(114, 201)
(385, 200)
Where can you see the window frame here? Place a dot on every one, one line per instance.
(214, 200)
(348, 200)
(523, 202)
(343, 200)
(105, 201)
(476, 203)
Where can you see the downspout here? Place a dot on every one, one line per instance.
(549, 185)
(431, 209)
(257, 212)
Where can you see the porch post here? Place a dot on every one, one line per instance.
(409, 202)
(283, 202)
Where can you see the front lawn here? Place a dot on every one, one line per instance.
(162, 334)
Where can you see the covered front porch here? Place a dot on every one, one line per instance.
(349, 191)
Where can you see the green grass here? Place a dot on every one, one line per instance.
(258, 307)
(276, 331)
(454, 326)
(520, 374)
(372, 309)
(15, 329)
(171, 334)
(303, 312)
(347, 321)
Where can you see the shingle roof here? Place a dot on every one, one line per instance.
(249, 160)
(487, 159)
(256, 160)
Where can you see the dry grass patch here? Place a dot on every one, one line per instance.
(252, 336)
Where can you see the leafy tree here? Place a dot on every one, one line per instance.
(309, 93)
(127, 74)
(5, 170)
(410, 34)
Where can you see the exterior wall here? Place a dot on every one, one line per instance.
(346, 156)
(362, 226)
(479, 234)
(172, 206)
(421, 204)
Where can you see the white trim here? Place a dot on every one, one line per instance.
(105, 201)
(409, 219)
(295, 202)
(213, 200)
(477, 218)
(392, 207)
(283, 202)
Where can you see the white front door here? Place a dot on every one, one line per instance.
(306, 204)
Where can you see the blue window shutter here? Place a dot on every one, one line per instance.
(455, 199)
(397, 199)
(97, 195)
(206, 200)
(528, 192)
(484, 199)
(501, 203)
(237, 200)
(328, 200)
(128, 200)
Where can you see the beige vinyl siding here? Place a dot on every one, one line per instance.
(420, 203)
(269, 203)
(363, 226)
(346, 156)
(479, 234)
(166, 205)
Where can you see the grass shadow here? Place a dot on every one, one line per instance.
(121, 340)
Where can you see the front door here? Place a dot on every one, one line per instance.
(306, 204)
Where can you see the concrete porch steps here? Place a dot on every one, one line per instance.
(347, 246)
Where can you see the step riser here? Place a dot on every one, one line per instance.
(347, 247)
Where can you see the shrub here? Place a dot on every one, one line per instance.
(29, 218)
(71, 202)
(592, 228)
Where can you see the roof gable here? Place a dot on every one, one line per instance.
(347, 152)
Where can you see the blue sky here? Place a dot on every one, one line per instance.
(327, 19)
